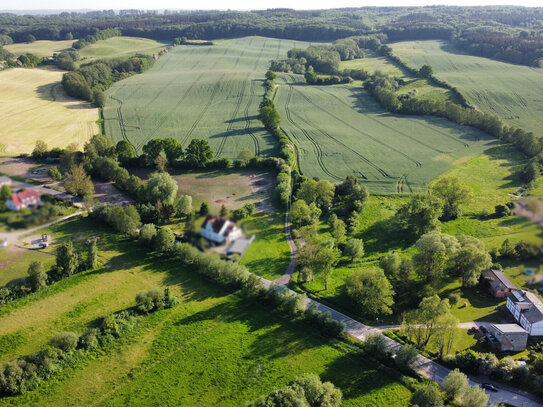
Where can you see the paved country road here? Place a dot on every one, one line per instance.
(424, 366)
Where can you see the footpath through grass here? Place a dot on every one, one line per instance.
(213, 349)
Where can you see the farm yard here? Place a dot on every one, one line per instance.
(510, 91)
(237, 349)
(209, 92)
(340, 130)
(33, 106)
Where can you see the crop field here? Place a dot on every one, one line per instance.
(236, 349)
(119, 46)
(33, 106)
(41, 49)
(340, 130)
(209, 92)
(513, 92)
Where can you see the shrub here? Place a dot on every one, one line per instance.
(455, 384)
(66, 341)
(406, 357)
(376, 345)
(154, 300)
(54, 173)
(427, 395)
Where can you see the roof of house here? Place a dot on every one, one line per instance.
(509, 328)
(18, 198)
(530, 305)
(498, 280)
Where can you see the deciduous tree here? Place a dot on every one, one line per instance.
(371, 291)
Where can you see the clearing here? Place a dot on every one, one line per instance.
(206, 92)
(33, 106)
(238, 350)
(340, 130)
(510, 91)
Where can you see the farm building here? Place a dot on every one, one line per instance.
(507, 337)
(527, 310)
(219, 230)
(24, 199)
(500, 285)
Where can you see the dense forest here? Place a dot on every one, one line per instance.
(513, 34)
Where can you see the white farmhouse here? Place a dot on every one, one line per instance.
(527, 309)
(219, 230)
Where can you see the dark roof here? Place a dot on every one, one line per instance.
(530, 305)
(498, 280)
(216, 222)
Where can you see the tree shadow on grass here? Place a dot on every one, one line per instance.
(386, 235)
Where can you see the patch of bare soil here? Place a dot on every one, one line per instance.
(24, 167)
(107, 193)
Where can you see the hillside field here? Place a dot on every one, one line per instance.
(340, 130)
(236, 349)
(33, 106)
(118, 47)
(209, 92)
(513, 92)
(41, 49)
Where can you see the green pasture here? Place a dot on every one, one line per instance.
(340, 130)
(42, 49)
(118, 47)
(209, 92)
(510, 91)
(213, 349)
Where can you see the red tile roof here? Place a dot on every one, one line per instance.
(20, 198)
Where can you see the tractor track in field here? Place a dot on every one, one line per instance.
(260, 55)
(204, 111)
(122, 126)
(400, 185)
(316, 146)
(363, 158)
(417, 163)
(181, 100)
(437, 150)
(234, 115)
(248, 121)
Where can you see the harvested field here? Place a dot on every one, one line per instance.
(33, 106)
(41, 49)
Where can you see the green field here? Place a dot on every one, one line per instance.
(213, 349)
(513, 92)
(340, 130)
(118, 47)
(39, 48)
(209, 92)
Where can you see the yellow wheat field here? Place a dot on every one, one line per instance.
(33, 106)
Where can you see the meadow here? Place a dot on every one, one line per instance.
(510, 91)
(42, 49)
(340, 130)
(236, 349)
(118, 47)
(33, 106)
(207, 92)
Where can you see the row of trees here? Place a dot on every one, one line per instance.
(28, 372)
(97, 36)
(68, 262)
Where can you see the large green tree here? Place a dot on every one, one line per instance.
(421, 213)
(198, 153)
(161, 187)
(471, 259)
(371, 291)
(453, 194)
(37, 278)
(434, 249)
(78, 183)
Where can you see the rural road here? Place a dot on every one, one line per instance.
(424, 366)
(12, 237)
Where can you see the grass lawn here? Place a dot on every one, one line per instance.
(213, 349)
(269, 254)
(371, 63)
(14, 262)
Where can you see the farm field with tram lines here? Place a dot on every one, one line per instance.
(510, 91)
(340, 130)
(209, 92)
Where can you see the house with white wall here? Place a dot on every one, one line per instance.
(219, 230)
(527, 309)
(24, 199)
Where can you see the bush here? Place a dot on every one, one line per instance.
(376, 345)
(406, 357)
(154, 300)
(66, 341)
(54, 173)
(427, 395)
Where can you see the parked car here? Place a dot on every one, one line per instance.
(483, 329)
(489, 386)
(540, 290)
(43, 244)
